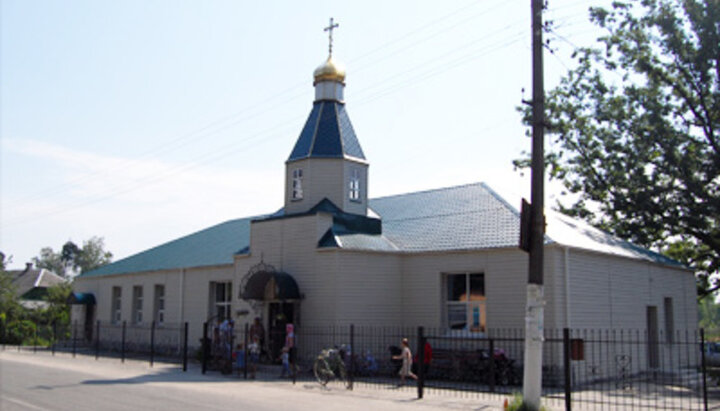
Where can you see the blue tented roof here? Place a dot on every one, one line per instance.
(328, 133)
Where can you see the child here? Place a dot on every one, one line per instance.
(406, 357)
(254, 351)
(239, 357)
(285, 358)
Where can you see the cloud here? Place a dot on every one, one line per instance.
(135, 203)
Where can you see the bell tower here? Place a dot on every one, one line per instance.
(327, 161)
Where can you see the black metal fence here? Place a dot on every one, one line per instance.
(151, 342)
(582, 369)
(614, 369)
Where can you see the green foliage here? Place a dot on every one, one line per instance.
(635, 130)
(50, 260)
(19, 325)
(92, 255)
(72, 258)
(19, 331)
(709, 312)
(518, 404)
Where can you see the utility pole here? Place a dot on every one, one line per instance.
(532, 380)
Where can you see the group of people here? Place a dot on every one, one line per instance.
(223, 335)
(220, 346)
(255, 349)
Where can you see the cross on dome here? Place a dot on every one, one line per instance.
(329, 29)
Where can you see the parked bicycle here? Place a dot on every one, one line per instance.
(329, 365)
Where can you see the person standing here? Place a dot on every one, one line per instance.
(254, 351)
(290, 344)
(406, 357)
(257, 330)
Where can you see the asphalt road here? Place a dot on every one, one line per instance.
(44, 382)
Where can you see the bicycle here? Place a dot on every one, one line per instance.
(330, 364)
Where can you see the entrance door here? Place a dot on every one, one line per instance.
(653, 354)
(279, 314)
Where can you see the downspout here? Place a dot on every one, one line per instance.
(566, 270)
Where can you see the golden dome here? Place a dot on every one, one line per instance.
(331, 70)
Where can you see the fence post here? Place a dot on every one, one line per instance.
(152, 343)
(566, 365)
(493, 367)
(245, 350)
(97, 340)
(204, 347)
(74, 337)
(351, 368)
(185, 346)
(122, 343)
(702, 363)
(421, 362)
(54, 339)
(35, 338)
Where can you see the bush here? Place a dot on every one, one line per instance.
(19, 332)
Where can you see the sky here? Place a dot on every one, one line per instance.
(144, 121)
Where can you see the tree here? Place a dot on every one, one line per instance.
(50, 260)
(73, 258)
(635, 130)
(92, 255)
(8, 294)
(709, 312)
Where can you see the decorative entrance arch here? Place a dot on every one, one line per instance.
(264, 283)
(265, 287)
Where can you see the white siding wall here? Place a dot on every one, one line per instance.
(369, 289)
(322, 178)
(326, 178)
(505, 285)
(194, 300)
(355, 207)
(613, 292)
(290, 245)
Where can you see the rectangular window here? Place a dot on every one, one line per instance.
(116, 306)
(137, 316)
(220, 300)
(159, 310)
(465, 301)
(669, 320)
(354, 186)
(297, 190)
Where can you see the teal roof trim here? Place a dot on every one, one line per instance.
(213, 246)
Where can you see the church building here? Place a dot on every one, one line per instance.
(446, 258)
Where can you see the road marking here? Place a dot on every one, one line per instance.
(23, 403)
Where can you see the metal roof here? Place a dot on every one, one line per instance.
(29, 279)
(328, 133)
(468, 217)
(213, 246)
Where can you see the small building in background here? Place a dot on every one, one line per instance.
(31, 285)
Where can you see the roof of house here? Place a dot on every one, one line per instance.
(30, 278)
(328, 133)
(467, 217)
(215, 245)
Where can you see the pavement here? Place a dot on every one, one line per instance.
(41, 381)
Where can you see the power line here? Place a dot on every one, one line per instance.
(232, 148)
(203, 132)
